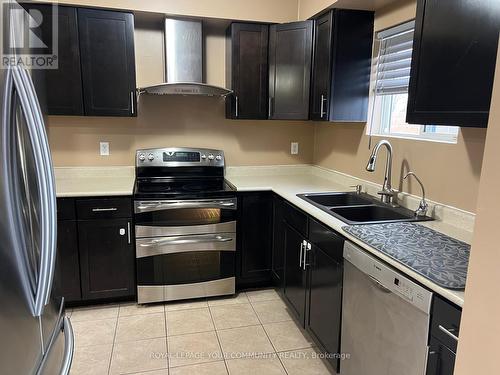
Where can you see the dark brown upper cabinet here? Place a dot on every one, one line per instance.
(64, 84)
(341, 66)
(290, 54)
(453, 63)
(247, 47)
(108, 62)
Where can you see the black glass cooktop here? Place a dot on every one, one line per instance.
(181, 187)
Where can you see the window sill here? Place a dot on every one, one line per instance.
(453, 140)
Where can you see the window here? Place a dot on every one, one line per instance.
(389, 97)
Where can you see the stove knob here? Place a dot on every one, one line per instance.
(203, 156)
(142, 157)
(151, 157)
(210, 157)
(218, 157)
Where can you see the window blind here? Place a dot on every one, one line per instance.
(394, 59)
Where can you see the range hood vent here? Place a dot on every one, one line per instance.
(184, 62)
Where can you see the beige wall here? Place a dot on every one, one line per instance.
(310, 8)
(450, 172)
(479, 344)
(255, 10)
(177, 121)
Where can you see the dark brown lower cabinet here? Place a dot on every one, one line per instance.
(324, 307)
(254, 236)
(278, 249)
(67, 263)
(95, 249)
(313, 279)
(106, 258)
(295, 277)
(445, 330)
(440, 360)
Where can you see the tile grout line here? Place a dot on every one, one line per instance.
(267, 335)
(218, 339)
(114, 339)
(166, 336)
(265, 332)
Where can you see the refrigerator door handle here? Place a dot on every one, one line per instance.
(50, 181)
(69, 346)
(43, 287)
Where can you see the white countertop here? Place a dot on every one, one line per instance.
(94, 182)
(288, 186)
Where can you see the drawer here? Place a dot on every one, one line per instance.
(66, 209)
(295, 218)
(445, 316)
(327, 240)
(104, 208)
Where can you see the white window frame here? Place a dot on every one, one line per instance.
(377, 108)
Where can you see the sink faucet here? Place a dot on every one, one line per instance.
(423, 206)
(387, 193)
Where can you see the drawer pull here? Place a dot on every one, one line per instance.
(105, 209)
(177, 241)
(448, 332)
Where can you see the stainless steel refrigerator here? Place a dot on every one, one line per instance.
(35, 336)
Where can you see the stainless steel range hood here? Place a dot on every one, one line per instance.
(184, 62)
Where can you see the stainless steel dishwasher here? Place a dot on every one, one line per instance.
(385, 318)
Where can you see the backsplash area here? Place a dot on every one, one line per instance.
(178, 121)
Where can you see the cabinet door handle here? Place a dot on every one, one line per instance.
(132, 104)
(322, 110)
(270, 106)
(448, 332)
(432, 361)
(300, 253)
(110, 209)
(236, 106)
(307, 248)
(128, 233)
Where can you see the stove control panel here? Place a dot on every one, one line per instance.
(177, 157)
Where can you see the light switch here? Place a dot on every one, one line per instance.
(294, 148)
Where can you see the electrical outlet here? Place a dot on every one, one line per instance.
(294, 148)
(104, 147)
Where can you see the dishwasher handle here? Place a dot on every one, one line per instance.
(379, 285)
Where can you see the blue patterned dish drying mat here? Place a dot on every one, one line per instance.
(437, 257)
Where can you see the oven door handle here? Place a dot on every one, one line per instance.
(184, 241)
(170, 205)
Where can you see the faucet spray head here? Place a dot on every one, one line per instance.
(370, 167)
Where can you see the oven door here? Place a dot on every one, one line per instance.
(183, 217)
(180, 267)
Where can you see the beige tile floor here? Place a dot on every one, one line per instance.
(251, 333)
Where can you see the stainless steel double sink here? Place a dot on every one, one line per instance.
(355, 208)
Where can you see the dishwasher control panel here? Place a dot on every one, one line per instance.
(388, 279)
(404, 288)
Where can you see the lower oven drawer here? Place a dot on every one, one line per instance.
(214, 242)
(185, 267)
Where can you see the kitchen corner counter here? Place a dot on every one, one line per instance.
(94, 182)
(288, 181)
